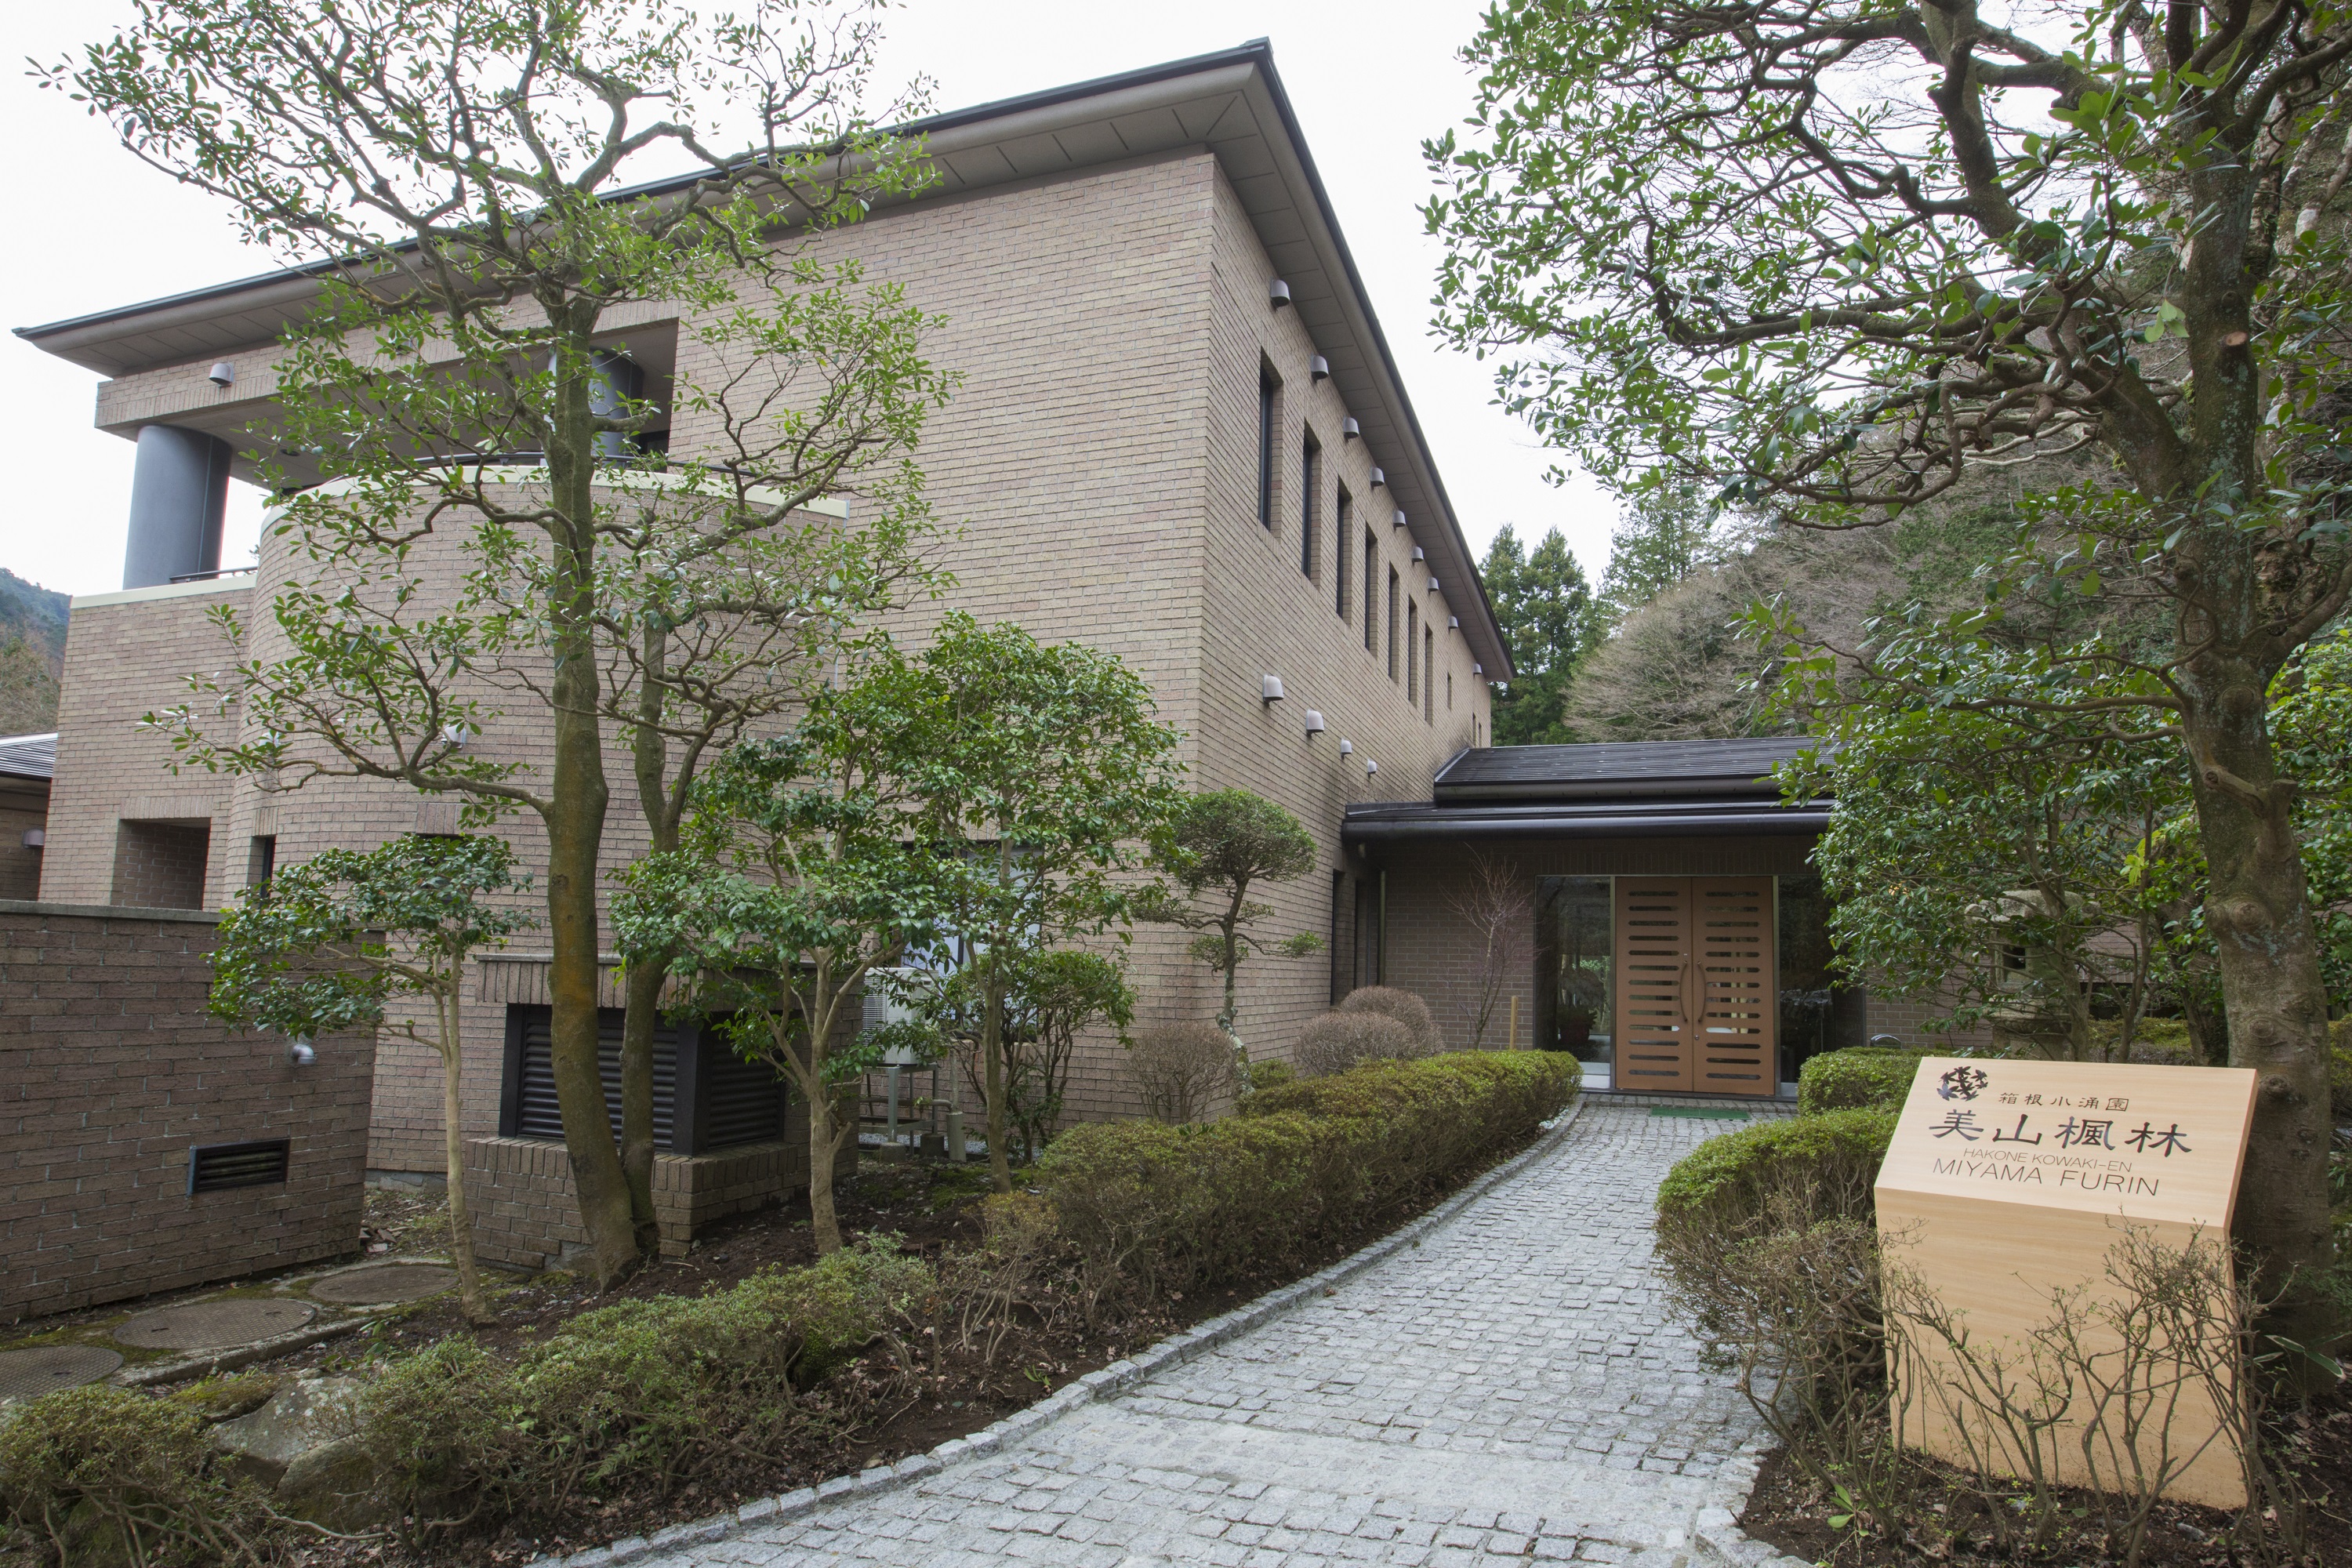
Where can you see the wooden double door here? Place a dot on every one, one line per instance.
(1697, 1008)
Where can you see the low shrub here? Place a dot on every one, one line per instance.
(1864, 1075)
(636, 1393)
(1403, 1006)
(1151, 1208)
(1337, 1041)
(1727, 1186)
(101, 1474)
(1184, 1070)
(1269, 1074)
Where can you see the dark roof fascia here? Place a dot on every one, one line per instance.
(1601, 819)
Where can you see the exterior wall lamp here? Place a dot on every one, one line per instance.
(222, 373)
(1278, 292)
(1348, 431)
(1379, 478)
(1318, 369)
(1314, 723)
(1269, 689)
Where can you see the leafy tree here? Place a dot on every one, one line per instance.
(335, 941)
(1828, 258)
(796, 879)
(1042, 778)
(1549, 618)
(1221, 843)
(1664, 536)
(1050, 999)
(463, 168)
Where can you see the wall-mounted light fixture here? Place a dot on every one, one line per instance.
(1454, 623)
(1419, 554)
(1477, 670)
(457, 734)
(1314, 722)
(1270, 688)
(1346, 747)
(1399, 521)
(1433, 585)
(1348, 431)
(1318, 369)
(36, 836)
(222, 373)
(300, 1052)
(1379, 478)
(1279, 292)
(1370, 767)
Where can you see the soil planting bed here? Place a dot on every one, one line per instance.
(1789, 1511)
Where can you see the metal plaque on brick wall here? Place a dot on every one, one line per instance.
(2027, 1209)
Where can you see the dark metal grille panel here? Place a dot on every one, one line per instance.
(537, 1113)
(742, 1101)
(218, 1167)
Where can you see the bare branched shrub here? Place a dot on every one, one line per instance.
(1495, 904)
(1337, 1041)
(984, 1290)
(1185, 1070)
(1403, 1006)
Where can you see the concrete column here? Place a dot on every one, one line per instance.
(179, 496)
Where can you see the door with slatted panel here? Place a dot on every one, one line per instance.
(1654, 984)
(1735, 1034)
(1697, 1004)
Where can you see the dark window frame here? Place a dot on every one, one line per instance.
(1310, 466)
(1269, 401)
(1344, 505)
(1371, 592)
(1396, 595)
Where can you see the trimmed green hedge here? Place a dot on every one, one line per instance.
(1153, 1209)
(1861, 1075)
(643, 1389)
(1825, 1162)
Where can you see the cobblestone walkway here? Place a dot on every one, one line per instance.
(1508, 1390)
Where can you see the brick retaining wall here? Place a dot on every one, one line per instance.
(109, 1070)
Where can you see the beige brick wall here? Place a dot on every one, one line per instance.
(22, 805)
(109, 1069)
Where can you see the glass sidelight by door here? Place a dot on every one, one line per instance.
(1695, 998)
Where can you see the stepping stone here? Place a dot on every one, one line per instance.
(45, 1369)
(384, 1282)
(207, 1325)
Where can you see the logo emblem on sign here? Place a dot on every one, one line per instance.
(1962, 1083)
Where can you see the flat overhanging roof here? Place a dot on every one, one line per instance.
(1231, 102)
(1387, 823)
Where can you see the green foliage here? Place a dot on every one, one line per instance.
(98, 1473)
(650, 1389)
(2311, 721)
(324, 944)
(1664, 535)
(1224, 842)
(1550, 620)
(1727, 1184)
(1265, 1075)
(1861, 1076)
(1152, 1208)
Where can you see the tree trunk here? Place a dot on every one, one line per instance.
(824, 1143)
(453, 1138)
(574, 816)
(991, 1067)
(649, 757)
(2273, 996)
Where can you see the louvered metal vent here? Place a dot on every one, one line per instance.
(216, 1167)
(705, 1097)
(539, 1116)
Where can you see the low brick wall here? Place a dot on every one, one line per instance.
(110, 1069)
(526, 1213)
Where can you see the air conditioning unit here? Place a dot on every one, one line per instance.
(883, 1007)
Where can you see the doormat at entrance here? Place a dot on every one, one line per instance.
(1698, 1113)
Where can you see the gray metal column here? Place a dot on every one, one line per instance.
(179, 496)
(618, 379)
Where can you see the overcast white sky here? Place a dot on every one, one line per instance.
(1369, 78)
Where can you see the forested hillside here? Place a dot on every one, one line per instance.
(32, 655)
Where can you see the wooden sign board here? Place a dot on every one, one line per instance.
(2010, 1181)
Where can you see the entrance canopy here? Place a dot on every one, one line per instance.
(1651, 788)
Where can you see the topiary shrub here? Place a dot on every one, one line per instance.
(101, 1474)
(1724, 1188)
(1337, 1041)
(1185, 1070)
(1152, 1209)
(642, 1390)
(1862, 1075)
(1403, 1006)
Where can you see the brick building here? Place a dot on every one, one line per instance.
(1180, 436)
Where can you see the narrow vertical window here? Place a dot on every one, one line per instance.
(1267, 388)
(1449, 691)
(1372, 588)
(1412, 652)
(1309, 492)
(1394, 595)
(1346, 511)
(1428, 674)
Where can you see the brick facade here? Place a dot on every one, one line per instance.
(110, 1069)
